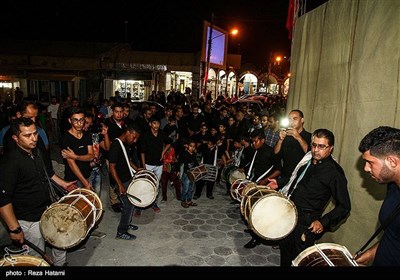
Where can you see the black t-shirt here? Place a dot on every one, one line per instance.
(80, 147)
(23, 183)
(187, 160)
(291, 152)
(116, 155)
(152, 146)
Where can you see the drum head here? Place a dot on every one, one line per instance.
(143, 189)
(325, 254)
(236, 174)
(273, 216)
(23, 260)
(63, 225)
(226, 171)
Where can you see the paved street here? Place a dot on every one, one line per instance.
(210, 234)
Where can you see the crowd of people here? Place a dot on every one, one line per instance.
(118, 137)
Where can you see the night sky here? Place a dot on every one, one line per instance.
(174, 26)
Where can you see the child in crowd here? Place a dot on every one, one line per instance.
(210, 158)
(187, 160)
(170, 172)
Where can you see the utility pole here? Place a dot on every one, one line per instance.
(208, 55)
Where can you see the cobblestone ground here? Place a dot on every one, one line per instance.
(210, 234)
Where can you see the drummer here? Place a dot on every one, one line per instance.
(233, 161)
(187, 160)
(209, 157)
(316, 180)
(263, 166)
(24, 194)
(121, 174)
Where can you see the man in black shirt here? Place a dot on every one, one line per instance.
(264, 164)
(316, 179)
(120, 171)
(24, 194)
(116, 127)
(152, 151)
(293, 144)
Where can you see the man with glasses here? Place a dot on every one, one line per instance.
(316, 179)
(77, 150)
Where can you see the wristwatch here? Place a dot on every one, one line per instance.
(17, 230)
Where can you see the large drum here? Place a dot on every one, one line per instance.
(238, 186)
(270, 214)
(68, 221)
(197, 173)
(23, 260)
(226, 171)
(236, 174)
(325, 254)
(144, 187)
(212, 173)
(248, 190)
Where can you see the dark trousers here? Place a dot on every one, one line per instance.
(199, 188)
(292, 245)
(174, 178)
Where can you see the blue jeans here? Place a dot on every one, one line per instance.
(95, 180)
(126, 213)
(187, 188)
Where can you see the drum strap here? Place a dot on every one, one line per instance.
(292, 188)
(383, 225)
(251, 166)
(215, 155)
(238, 156)
(131, 170)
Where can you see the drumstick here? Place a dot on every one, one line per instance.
(41, 253)
(134, 197)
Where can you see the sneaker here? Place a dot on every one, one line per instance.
(98, 234)
(156, 209)
(210, 197)
(125, 236)
(133, 227)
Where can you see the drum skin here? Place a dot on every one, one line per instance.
(236, 174)
(23, 260)
(144, 189)
(226, 171)
(338, 255)
(67, 222)
(270, 214)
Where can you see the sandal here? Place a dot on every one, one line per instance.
(191, 203)
(184, 205)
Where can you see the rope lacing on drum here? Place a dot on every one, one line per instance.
(325, 257)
